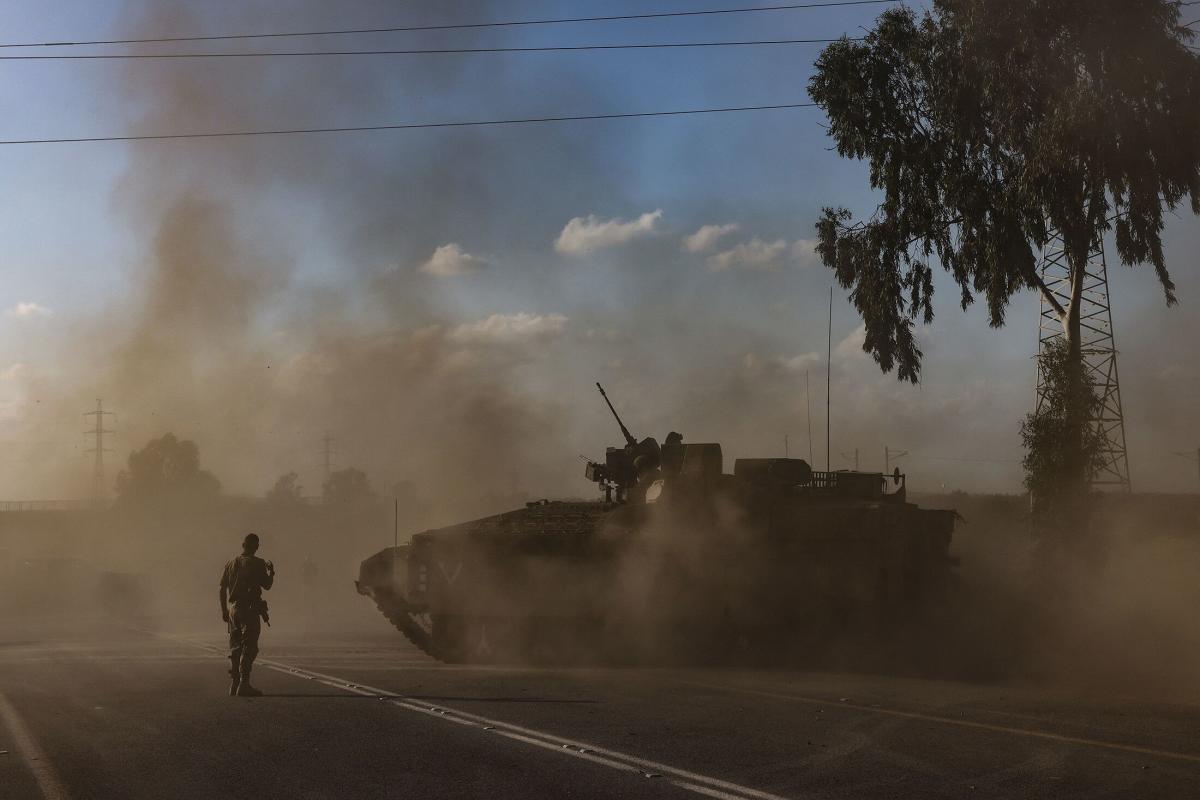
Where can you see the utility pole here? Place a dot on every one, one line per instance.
(888, 455)
(785, 446)
(99, 487)
(1192, 457)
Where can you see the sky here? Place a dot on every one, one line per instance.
(443, 301)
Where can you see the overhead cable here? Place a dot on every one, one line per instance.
(423, 51)
(405, 126)
(449, 27)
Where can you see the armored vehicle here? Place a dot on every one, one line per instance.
(677, 560)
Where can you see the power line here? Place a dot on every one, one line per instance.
(1192, 456)
(890, 455)
(449, 27)
(920, 457)
(408, 126)
(420, 52)
(98, 449)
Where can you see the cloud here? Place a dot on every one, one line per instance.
(804, 252)
(28, 310)
(755, 255)
(582, 235)
(451, 260)
(758, 366)
(801, 362)
(704, 239)
(510, 329)
(759, 256)
(852, 345)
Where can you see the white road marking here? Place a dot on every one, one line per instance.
(962, 723)
(35, 759)
(588, 752)
(624, 762)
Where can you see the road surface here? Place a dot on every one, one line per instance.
(106, 711)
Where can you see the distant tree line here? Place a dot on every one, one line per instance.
(167, 470)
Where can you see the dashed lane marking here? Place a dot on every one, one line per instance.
(43, 771)
(613, 759)
(962, 723)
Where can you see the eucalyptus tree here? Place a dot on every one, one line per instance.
(991, 125)
(1049, 441)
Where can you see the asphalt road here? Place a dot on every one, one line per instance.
(102, 711)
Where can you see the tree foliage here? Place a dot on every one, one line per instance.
(347, 487)
(1051, 477)
(987, 125)
(287, 490)
(166, 469)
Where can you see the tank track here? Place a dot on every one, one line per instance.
(398, 614)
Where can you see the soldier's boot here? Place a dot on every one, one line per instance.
(235, 675)
(244, 688)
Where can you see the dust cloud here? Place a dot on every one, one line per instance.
(1109, 613)
(231, 335)
(227, 337)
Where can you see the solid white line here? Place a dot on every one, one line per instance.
(962, 723)
(590, 752)
(35, 759)
(704, 790)
(684, 779)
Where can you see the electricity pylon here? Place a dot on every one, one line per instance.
(99, 486)
(1099, 352)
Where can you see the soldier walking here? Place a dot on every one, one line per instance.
(243, 609)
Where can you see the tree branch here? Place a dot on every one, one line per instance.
(1049, 297)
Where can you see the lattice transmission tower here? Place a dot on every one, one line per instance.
(1099, 354)
(99, 483)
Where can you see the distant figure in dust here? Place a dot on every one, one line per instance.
(243, 609)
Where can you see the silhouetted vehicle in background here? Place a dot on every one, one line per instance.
(679, 561)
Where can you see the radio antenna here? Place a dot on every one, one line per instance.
(808, 411)
(828, 377)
